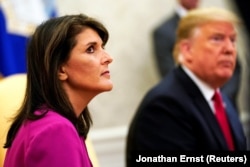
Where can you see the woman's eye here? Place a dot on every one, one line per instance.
(103, 47)
(90, 49)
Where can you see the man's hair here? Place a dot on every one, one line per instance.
(198, 17)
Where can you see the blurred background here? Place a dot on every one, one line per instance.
(133, 70)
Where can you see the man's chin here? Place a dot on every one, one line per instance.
(226, 74)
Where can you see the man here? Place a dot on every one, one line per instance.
(243, 9)
(164, 37)
(179, 113)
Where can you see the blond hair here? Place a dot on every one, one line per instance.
(197, 17)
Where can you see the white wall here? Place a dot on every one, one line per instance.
(133, 70)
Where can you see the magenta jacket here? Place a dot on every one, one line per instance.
(51, 141)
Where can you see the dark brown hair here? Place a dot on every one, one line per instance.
(48, 49)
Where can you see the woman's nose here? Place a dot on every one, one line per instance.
(107, 58)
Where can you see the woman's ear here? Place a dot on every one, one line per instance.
(62, 73)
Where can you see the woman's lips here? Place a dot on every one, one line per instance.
(106, 73)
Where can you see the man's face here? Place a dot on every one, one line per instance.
(189, 4)
(212, 52)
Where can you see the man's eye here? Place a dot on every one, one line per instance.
(90, 49)
(233, 40)
(217, 38)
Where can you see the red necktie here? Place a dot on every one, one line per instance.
(222, 119)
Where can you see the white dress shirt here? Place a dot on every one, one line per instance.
(205, 89)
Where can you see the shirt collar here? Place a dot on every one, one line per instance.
(205, 89)
(181, 11)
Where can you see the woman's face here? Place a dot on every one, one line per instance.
(87, 69)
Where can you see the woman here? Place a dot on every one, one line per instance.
(67, 67)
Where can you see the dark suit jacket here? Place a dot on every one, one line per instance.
(164, 37)
(243, 10)
(174, 116)
(163, 41)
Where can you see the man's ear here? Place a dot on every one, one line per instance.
(62, 73)
(185, 49)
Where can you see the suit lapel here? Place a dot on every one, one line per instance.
(203, 107)
(235, 125)
(211, 121)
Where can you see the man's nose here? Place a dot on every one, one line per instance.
(230, 46)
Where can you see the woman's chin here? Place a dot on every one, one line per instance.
(108, 87)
